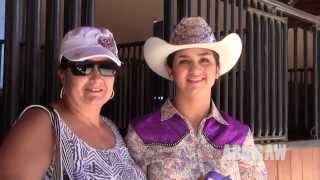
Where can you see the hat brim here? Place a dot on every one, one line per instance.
(81, 54)
(157, 50)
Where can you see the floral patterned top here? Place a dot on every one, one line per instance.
(164, 150)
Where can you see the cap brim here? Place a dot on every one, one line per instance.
(81, 54)
(157, 50)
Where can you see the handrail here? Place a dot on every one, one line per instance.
(297, 13)
(137, 43)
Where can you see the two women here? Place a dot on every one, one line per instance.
(69, 139)
(185, 139)
(188, 137)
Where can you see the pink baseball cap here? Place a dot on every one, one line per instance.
(84, 43)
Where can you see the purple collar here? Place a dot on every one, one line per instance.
(218, 135)
(153, 131)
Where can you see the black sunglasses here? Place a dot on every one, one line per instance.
(84, 68)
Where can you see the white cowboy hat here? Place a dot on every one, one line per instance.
(192, 32)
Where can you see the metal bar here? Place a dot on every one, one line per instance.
(293, 12)
(242, 59)
(250, 54)
(285, 79)
(254, 4)
(273, 138)
(88, 12)
(32, 69)
(126, 86)
(115, 101)
(121, 89)
(234, 70)
(142, 99)
(121, 47)
(266, 14)
(147, 82)
(11, 65)
(305, 78)
(217, 96)
(225, 77)
(296, 88)
(199, 6)
(182, 9)
(167, 18)
(1, 68)
(210, 14)
(72, 14)
(189, 8)
(247, 3)
(118, 88)
(273, 44)
(136, 82)
(279, 79)
(266, 80)
(130, 79)
(316, 58)
(122, 95)
(258, 73)
(53, 38)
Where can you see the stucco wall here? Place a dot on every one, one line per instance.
(128, 20)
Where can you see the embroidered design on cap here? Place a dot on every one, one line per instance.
(108, 43)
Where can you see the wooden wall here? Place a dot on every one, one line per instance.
(299, 164)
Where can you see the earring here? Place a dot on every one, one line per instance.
(171, 76)
(61, 93)
(112, 94)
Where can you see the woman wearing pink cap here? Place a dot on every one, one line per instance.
(188, 137)
(69, 139)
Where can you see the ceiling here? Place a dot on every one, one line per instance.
(311, 6)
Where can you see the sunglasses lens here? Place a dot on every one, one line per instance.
(82, 69)
(107, 72)
(107, 69)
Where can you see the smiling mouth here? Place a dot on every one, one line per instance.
(95, 90)
(195, 80)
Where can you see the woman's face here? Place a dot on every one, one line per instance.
(91, 89)
(194, 70)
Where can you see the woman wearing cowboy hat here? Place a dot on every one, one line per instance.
(189, 138)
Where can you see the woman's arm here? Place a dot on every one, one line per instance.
(251, 164)
(26, 152)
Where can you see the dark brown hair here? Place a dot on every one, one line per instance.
(170, 58)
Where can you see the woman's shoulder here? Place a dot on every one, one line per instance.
(154, 130)
(35, 119)
(218, 134)
(35, 115)
(30, 137)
